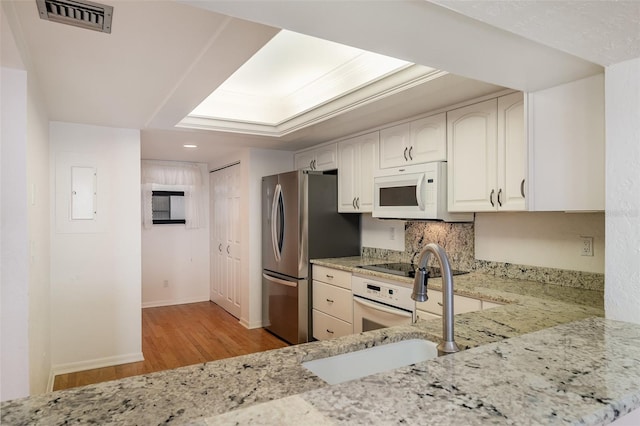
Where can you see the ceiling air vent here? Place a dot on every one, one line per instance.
(84, 14)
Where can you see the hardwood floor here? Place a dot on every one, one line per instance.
(180, 335)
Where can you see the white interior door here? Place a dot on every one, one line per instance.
(225, 239)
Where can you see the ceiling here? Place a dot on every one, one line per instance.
(164, 57)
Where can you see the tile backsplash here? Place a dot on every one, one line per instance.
(458, 241)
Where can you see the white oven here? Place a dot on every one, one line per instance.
(379, 304)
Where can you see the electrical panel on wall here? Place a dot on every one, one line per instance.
(83, 193)
(81, 200)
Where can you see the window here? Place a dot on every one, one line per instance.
(167, 207)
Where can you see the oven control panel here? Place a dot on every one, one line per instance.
(391, 294)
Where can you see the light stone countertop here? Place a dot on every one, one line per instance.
(566, 370)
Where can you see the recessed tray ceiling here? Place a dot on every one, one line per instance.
(295, 81)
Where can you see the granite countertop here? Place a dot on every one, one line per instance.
(583, 370)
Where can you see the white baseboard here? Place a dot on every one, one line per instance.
(170, 302)
(250, 324)
(50, 382)
(72, 367)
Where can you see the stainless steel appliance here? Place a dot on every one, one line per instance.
(414, 192)
(379, 304)
(300, 221)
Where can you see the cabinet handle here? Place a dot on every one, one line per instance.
(405, 154)
(313, 164)
(329, 300)
(329, 276)
(358, 203)
(410, 157)
(220, 248)
(228, 250)
(439, 303)
(500, 197)
(329, 331)
(353, 202)
(522, 188)
(491, 198)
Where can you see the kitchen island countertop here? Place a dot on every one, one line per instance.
(583, 370)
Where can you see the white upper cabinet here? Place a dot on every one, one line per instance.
(321, 158)
(419, 141)
(487, 156)
(567, 147)
(512, 153)
(472, 150)
(357, 158)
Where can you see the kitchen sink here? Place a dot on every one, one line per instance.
(362, 363)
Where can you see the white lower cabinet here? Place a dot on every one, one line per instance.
(327, 327)
(332, 314)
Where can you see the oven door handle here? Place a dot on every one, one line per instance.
(383, 308)
(420, 195)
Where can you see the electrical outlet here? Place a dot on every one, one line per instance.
(586, 249)
(165, 283)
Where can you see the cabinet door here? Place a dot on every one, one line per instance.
(368, 166)
(394, 146)
(326, 157)
(348, 166)
(471, 148)
(428, 140)
(512, 153)
(304, 160)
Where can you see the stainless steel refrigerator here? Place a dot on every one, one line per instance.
(300, 221)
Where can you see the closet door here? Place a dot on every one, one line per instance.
(225, 239)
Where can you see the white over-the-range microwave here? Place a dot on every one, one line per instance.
(414, 192)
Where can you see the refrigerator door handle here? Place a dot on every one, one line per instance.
(275, 243)
(279, 281)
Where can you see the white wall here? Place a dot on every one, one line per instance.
(383, 234)
(547, 239)
(96, 264)
(179, 256)
(39, 241)
(14, 237)
(622, 105)
(254, 164)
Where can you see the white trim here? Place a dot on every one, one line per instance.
(251, 325)
(73, 367)
(170, 302)
(50, 381)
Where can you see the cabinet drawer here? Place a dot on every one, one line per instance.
(332, 300)
(332, 276)
(461, 304)
(433, 304)
(327, 327)
(424, 315)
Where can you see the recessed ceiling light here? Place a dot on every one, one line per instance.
(190, 146)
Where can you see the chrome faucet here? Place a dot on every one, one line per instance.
(448, 345)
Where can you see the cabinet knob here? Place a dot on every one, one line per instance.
(491, 198)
